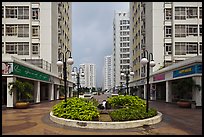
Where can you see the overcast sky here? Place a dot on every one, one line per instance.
(92, 33)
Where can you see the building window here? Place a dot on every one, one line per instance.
(200, 27)
(168, 31)
(23, 12)
(191, 48)
(2, 30)
(200, 12)
(35, 13)
(180, 13)
(11, 48)
(11, 30)
(23, 48)
(35, 31)
(11, 12)
(35, 48)
(168, 14)
(168, 48)
(20, 48)
(2, 48)
(180, 48)
(192, 12)
(200, 47)
(180, 31)
(2, 12)
(23, 30)
(192, 30)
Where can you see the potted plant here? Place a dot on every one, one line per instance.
(23, 90)
(182, 89)
(61, 93)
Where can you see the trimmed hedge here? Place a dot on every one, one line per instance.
(76, 109)
(129, 108)
(126, 101)
(133, 113)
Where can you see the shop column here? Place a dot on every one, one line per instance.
(37, 91)
(11, 98)
(168, 91)
(51, 91)
(57, 92)
(197, 95)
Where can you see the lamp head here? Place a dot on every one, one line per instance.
(70, 61)
(59, 63)
(132, 73)
(152, 63)
(122, 74)
(144, 61)
(73, 73)
(82, 74)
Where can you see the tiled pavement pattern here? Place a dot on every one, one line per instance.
(35, 121)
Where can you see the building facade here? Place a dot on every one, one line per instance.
(89, 78)
(172, 32)
(121, 46)
(31, 39)
(107, 73)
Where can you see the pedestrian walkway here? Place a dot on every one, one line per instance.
(35, 121)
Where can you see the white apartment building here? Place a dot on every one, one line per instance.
(172, 32)
(121, 47)
(89, 78)
(33, 33)
(107, 73)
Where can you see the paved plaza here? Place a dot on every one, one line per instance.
(35, 121)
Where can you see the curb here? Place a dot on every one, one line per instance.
(106, 125)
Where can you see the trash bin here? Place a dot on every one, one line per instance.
(193, 104)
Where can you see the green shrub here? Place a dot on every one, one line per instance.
(126, 101)
(129, 108)
(132, 113)
(76, 109)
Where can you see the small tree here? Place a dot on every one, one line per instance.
(23, 89)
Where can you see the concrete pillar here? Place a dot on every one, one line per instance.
(168, 91)
(145, 91)
(57, 96)
(11, 98)
(51, 91)
(197, 95)
(37, 91)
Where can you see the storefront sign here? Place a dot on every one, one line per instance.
(29, 73)
(7, 68)
(159, 77)
(188, 70)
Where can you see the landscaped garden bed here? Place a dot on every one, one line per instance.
(121, 108)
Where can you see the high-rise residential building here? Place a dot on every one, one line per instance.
(172, 31)
(107, 73)
(89, 78)
(33, 34)
(121, 47)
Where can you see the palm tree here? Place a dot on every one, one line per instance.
(23, 89)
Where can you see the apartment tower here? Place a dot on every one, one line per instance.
(121, 41)
(171, 31)
(107, 73)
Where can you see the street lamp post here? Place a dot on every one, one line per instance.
(127, 73)
(77, 73)
(64, 63)
(149, 63)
